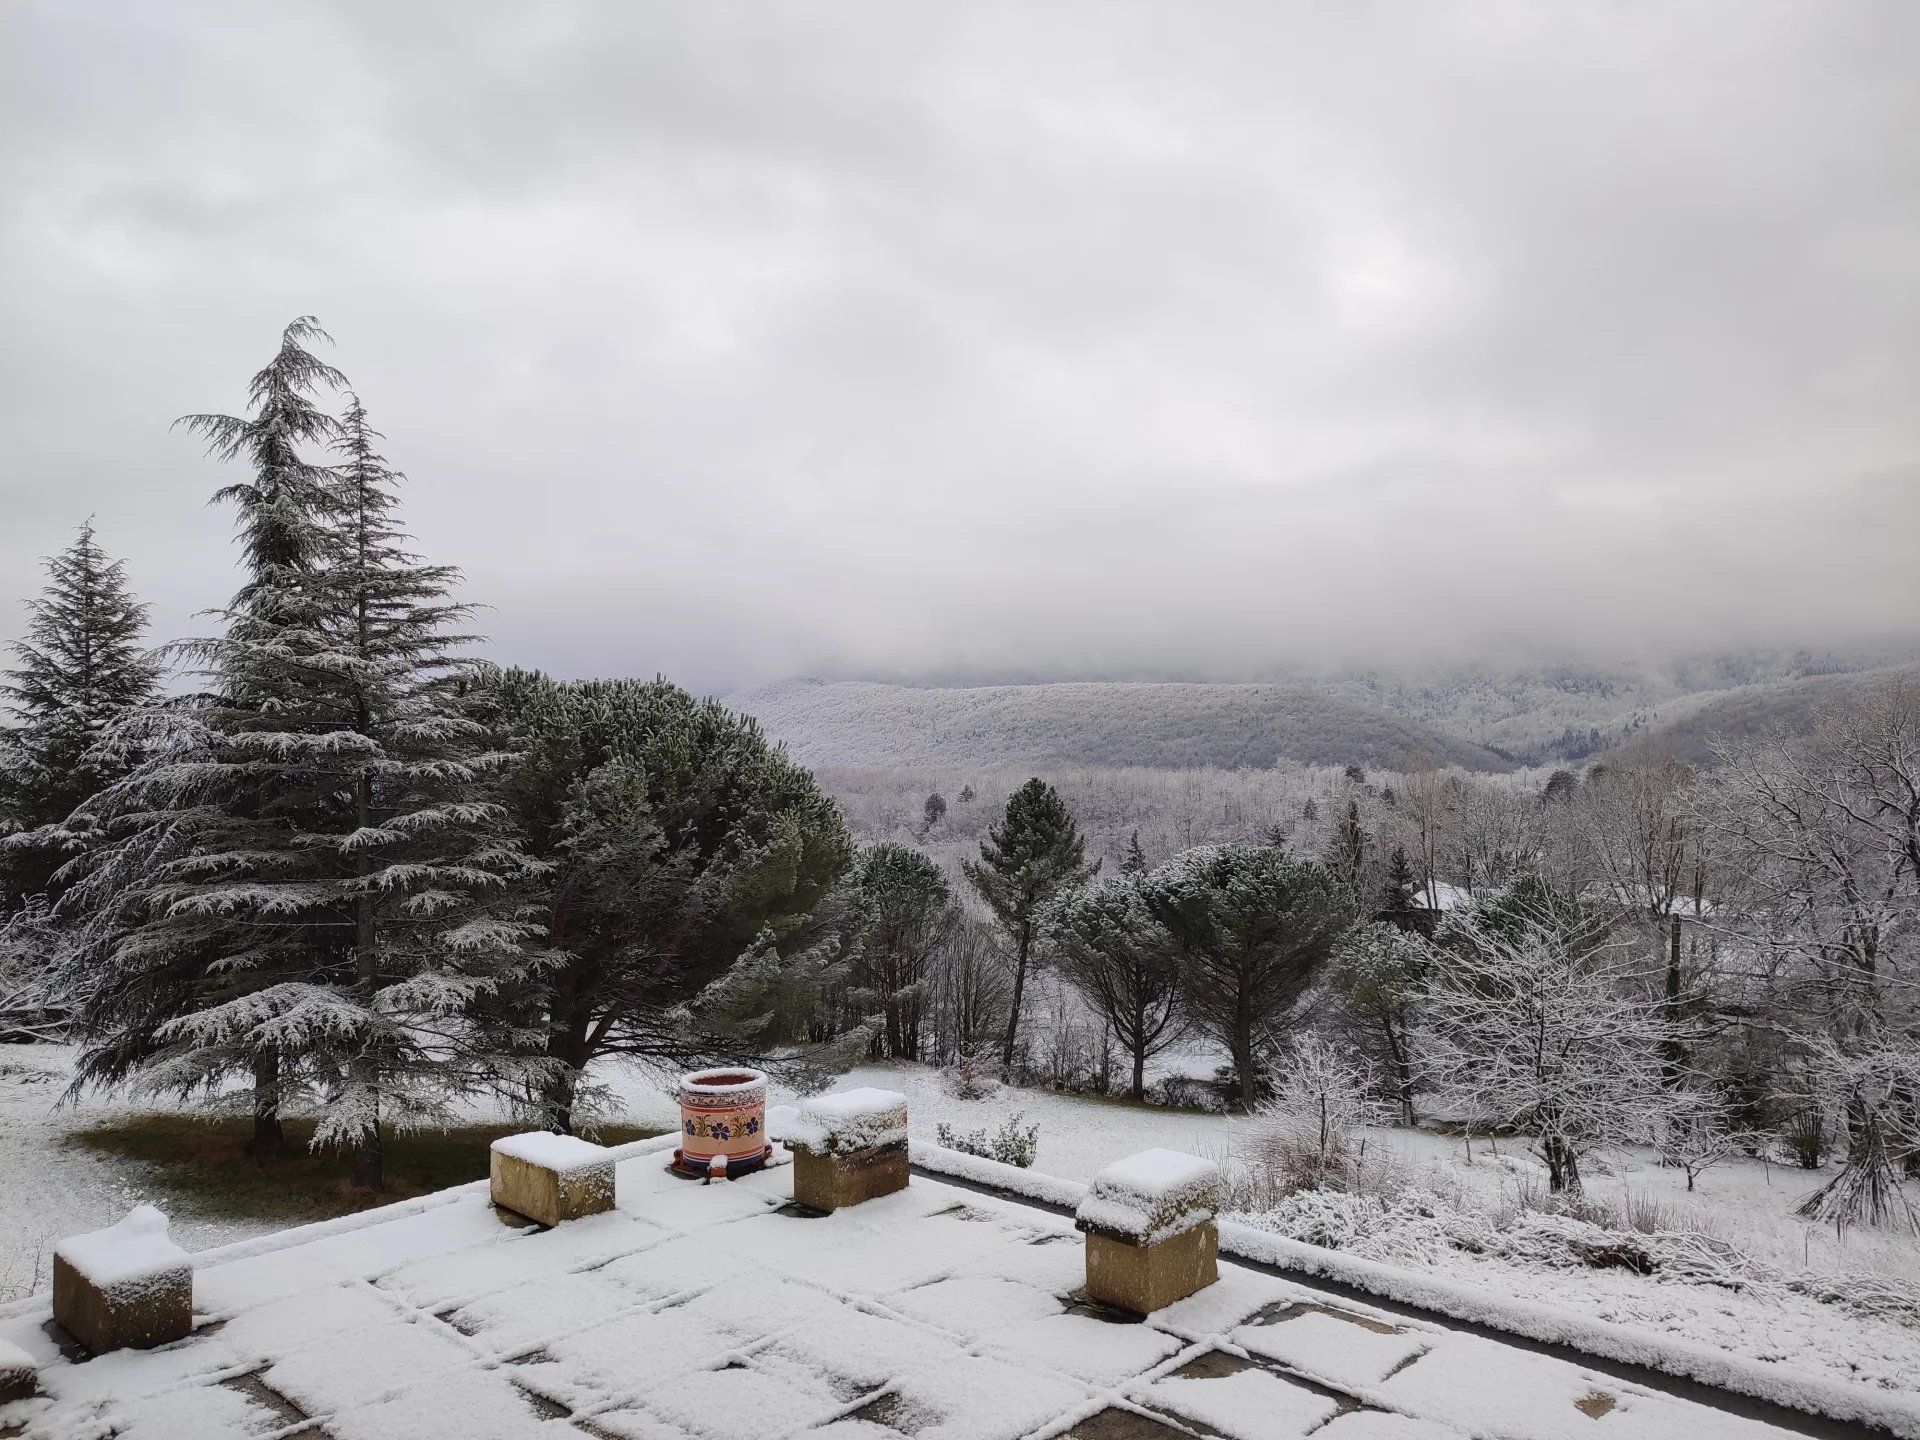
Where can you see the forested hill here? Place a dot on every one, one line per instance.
(847, 722)
(1693, 724)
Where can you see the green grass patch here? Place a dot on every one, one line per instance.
(200, 1164)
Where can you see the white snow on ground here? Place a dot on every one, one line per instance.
(696, 1312)
(1743, 1203)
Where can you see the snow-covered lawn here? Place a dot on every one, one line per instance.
(49, 1189)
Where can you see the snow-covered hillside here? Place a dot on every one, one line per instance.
(1154, 725)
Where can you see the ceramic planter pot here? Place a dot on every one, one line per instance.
(723, 1121)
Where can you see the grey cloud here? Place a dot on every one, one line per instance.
(739, 341)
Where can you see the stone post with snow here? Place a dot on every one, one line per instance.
(550, 1178)
(125, 1286)
(18, 1377)
(1151, 1238)
(848, 1147)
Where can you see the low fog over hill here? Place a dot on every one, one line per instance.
(1478, 718)
(1093, 723)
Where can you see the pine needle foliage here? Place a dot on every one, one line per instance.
(1033, 855)
(81, 665)
(696, 901)
(312, 886)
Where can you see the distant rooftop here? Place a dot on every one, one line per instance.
(695, 1311)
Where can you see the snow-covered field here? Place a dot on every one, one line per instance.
(49, 1189)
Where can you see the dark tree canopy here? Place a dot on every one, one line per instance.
(80, 666)
(694, 904)
(910, 916)
(1252, 927)
(1105, 939)
(1034, 854)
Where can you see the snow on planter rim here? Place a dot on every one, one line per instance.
(723, 1082)
(1450, 1299)
(563, 1153)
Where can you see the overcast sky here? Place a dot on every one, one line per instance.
(738, 341)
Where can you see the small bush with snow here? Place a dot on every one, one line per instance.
(1012, 1144)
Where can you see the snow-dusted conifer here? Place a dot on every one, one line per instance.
(79, 667)
(695, 901)
(1033, 855)
(1107, 942)
(313, 887)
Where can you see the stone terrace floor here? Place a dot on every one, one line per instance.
(722, 1311)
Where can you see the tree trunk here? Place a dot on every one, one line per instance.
(567, 1025)
(1673, 1052)
(1243, 1063)
(1563, 1167)
(369, 1163)
(1139, 1090)
(1025, 942)
(269, 1138)
(1402, 1070)
(369, 1171)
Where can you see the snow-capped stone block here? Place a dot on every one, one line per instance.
(550, 1178)
(848, 1147)
(127, 1286)
(1149, 1222)
(18, 1377)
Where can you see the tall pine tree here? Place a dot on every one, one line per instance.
(1035, 854)
(80, 667)
(313, 887)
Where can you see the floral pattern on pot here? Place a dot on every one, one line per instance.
(723, 1115)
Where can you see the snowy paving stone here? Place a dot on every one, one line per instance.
(694, 1205)
(550, 1178)
(688, 1262)
(1333, 1348)
(204, 1412)
(1382, 1425)
(753, 1307)
(467, 1222)
(1237, 1295)
(1483, 1386)
(465, 1274)
(227, 1289)
(627, 1357)
(862, 1259)
(741, 1399)
(124, 1374)
(471, 1405)
(291, 1324)
(852, 1429)
(509, 1322)
(1094, 1350)
(363, 1364)
(975, 1398)
(866, 1350)
(629, 1423)
(1246, 1404)
(974, 1306)
(126, 1285)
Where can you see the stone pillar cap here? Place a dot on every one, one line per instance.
(135, 1249)
(850, 1120)
(1151, 1196)
(551, 1151)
